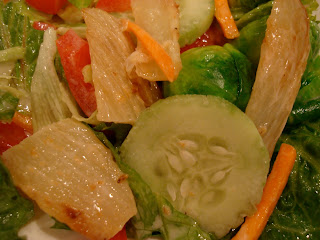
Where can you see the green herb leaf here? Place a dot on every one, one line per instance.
(15, 211)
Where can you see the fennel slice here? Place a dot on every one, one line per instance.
(72, 176)
(117, 96)
(284, 54)
(160, 19)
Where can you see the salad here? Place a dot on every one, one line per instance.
(159, 119)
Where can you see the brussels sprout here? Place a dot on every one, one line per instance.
(214, 70)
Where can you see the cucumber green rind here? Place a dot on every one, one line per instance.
(195, 19)
(193, 129)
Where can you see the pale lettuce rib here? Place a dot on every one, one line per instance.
(12, 54)
(46, 101)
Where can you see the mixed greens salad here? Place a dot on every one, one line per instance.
(140, 119)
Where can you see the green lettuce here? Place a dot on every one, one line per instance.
(8, 105)
(296, 215)
(81, 3)
(15, 211)
(16, 31)
(307, 104)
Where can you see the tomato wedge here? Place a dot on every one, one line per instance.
(74, 53)
(122, 235)
(114, 5)
(213, 36)
(10, 135)
(42, 26)
(47, 6)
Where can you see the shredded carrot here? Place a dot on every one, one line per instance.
(253, 226)
(23, 121)
(154, 49)
(225, 19)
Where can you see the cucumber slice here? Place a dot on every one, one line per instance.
(195, 19)
(204, 155)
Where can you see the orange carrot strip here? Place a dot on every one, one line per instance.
(23, 121)
(225, 19)
(253, 226)
(153, 48)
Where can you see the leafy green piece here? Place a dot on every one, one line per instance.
(310, 5)
(246, 76)
(240, 7)
(214, 70)
(255, 14)
(250, 40)
(307, 104)
(116, 133)
(16, 31)
(15, 211)
(246, 4)
(156, 216)
(8, 105)
(302, 112)
(59, 225)
(12, 54)
(81, 3)
(296, 215)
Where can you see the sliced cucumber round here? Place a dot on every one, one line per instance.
(204, 155)
(195, 19)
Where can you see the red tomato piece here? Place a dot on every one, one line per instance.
(122, 235)
(42, 26)
(10, 135)
(214, 36)
(114, 5)
(47, 6)
(74, 53)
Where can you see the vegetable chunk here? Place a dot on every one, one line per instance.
(283, 59)
(120, 98)
(203, 155)
(72, 176)
(160, 19)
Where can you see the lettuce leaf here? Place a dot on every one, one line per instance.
(16, 31)
(15, 211)
(8, 105)
(297, 213)
(46, 96)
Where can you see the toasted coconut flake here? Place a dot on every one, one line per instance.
(72, 176)
(283, 59)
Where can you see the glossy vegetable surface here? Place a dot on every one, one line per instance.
(74, 53)
(214, 70)
(47, 6)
